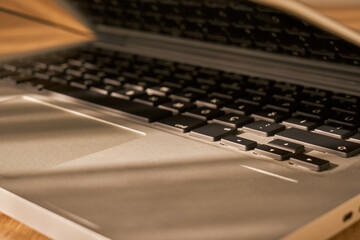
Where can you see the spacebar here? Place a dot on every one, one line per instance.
(137, 110)
(320, 142)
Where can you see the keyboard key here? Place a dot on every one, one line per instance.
(151, 100)
(319, 142)
(301, 123)
(270, 115)
(346, 98)
(233, 120)
(136, 110)
(263, 128)
(283, 106)
(226, 94)
(272, 152)
(317, 101)
(137, 85)
(159, 91)
(104, 89)
(287, 146)
(176, 106)
(180, 123)
(186, 96)
(312, 112)
(204, 113)
(252, 99)
(212, 132)
(211, 102)
(200, 88)
(127, 94)
(335, 131)
(344, 119)
(345, 107)
(83, 84)
(316, 91)
(241, 108)
(288, 95)
(239, 142)
(309, 162)
(355, 138)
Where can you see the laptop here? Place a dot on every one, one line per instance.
(185, 119)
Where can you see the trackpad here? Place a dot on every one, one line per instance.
(35, 136)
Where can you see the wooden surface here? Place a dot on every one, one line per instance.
(24, 35)
(19, 34)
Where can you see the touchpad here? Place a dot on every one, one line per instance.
(36, 136)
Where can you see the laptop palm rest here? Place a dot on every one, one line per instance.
(35, 137)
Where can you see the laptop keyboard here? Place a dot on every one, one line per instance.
(209, 104)
(239, 23)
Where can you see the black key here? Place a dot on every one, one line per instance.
(83, 84)
(151, 100)
(127, 94)
(263, 91)
(272, 152)
(180, 123)
(344, 119)
(263, 128)
(138, 85)
(252, 99)
(233, 120)
(345, 97)
(151, 79)
(226, 94)
(309, 162)
(335, 131)
(114, 81)
(177, 106)
(66, 79)
(77, 72)
(175, 83)
(287, 146)
(232, 85)
(46, 75)
(159, 91)
(58, 67)
(241, 108)
(282, 105)
(345, 107)
(186, 96)
(104, 89)
(311, 112)
(239, 142)
(212, 132)
(200, 88)
(320, 142)
(316, 91)
(315, 100)
(95, 77)
(270, 115)
(301, 123)
(138, 111)
(211, 102)
(355, 138)
(288, 95)
(204, 113)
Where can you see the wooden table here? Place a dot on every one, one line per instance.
(24, 35)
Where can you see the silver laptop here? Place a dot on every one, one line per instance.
(185, 119)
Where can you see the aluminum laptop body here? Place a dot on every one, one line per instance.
(73, 169)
